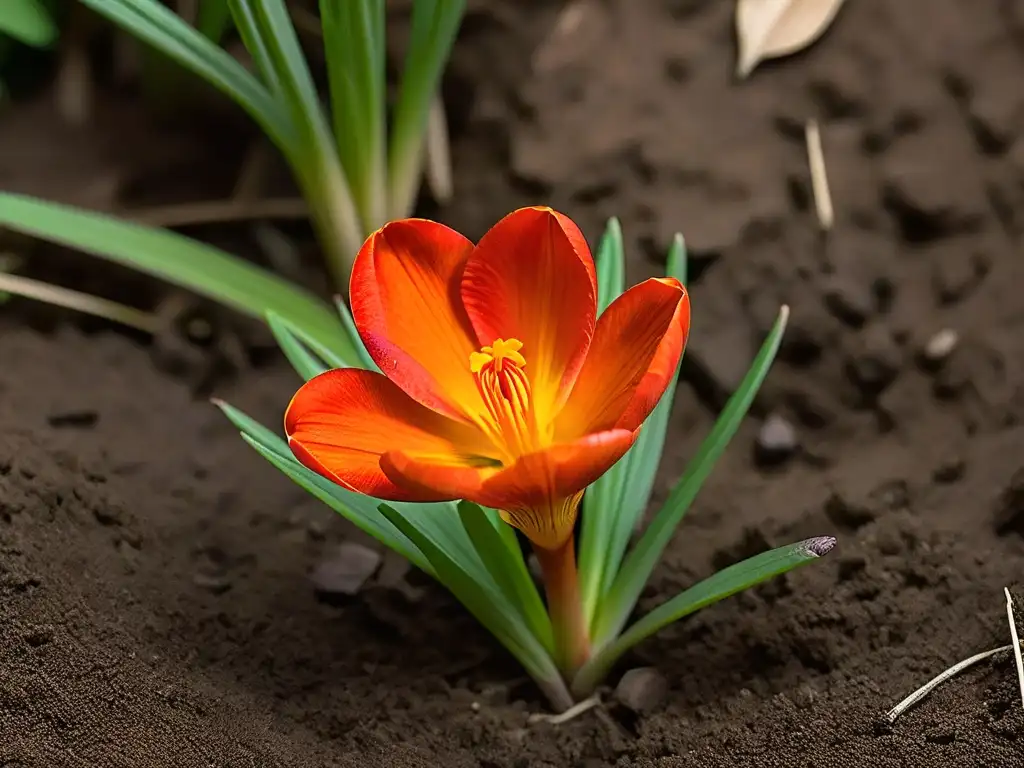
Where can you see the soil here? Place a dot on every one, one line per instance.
(156, 605)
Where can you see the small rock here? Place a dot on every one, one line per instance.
(876, 364)
(217, 583)
(1009, 512)
(848, 301)
(950, 471)
(346, 570)
(958, 267)
(642, 690)
(940, 346)
(776, 441)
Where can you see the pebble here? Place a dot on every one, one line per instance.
(940, 346)
(776, 441)
(346, 569)
(642, 690)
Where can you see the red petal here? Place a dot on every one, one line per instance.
(533, 492)
(635, 352)
(532, 278)
(406, 306)
(341, 422)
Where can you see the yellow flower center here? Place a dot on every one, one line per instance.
(505, 389)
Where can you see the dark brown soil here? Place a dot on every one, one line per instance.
(156, 606)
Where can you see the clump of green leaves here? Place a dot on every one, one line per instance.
(355, 171)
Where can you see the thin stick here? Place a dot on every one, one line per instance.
(819, 178)
(217, 211)
(1016, 643)
(80, 302)
(574, 711)
(931, 685)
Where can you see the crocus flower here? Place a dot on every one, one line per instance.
(499, 384)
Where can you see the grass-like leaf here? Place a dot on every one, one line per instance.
(488, 605)
(354, 339)
(28, 22)
(434, 25)
(614, 504)
(308, 357)
(213, 19)
(179, 260)
(158, 25)
(601, 500)
(359, 510)
(354, 41)
(504, 559)
(721, 585)
(640, 562)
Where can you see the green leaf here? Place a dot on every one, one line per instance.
(611, 265)
(313, 157)
(354, 43)
(721, 585)
(308, 357)
(214, 19)
(304, 363)
(438, 522)
(28, 22)
(615, 503)
(354, 339)
(156, 24)
(360, 510)
(180, 260)
(485, 602)
(503, 557)
(434, 26)
(619, 601)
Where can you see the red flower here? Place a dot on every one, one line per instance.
(499, 383)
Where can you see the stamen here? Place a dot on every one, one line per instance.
(505, 389)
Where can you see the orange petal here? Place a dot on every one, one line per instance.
(532, 278)
(341, 422)
(406, 306)
(635, 353)
(538, 494)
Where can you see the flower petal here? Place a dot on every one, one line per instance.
(532, 278)
(537, 494)
(406, 306)
(636, 349)
(341, 422)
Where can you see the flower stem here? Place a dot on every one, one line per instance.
(562, 587)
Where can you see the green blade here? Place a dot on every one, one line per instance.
(355, 340)
(154, 23)
(644, 457)
(438, 522)
(28, 22)
(307, 356)
(313, 157)
(434, 26)
(360, 510)
(486, 603)
(639, 564)
(354, 44)
(602, 498)
(214, 19)
(614, 504)
(721, 585)
(180, 260)
(611, 265)
(504, 559)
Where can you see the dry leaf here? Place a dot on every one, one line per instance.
(767, 29)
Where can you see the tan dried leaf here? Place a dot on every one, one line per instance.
(767, 29)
